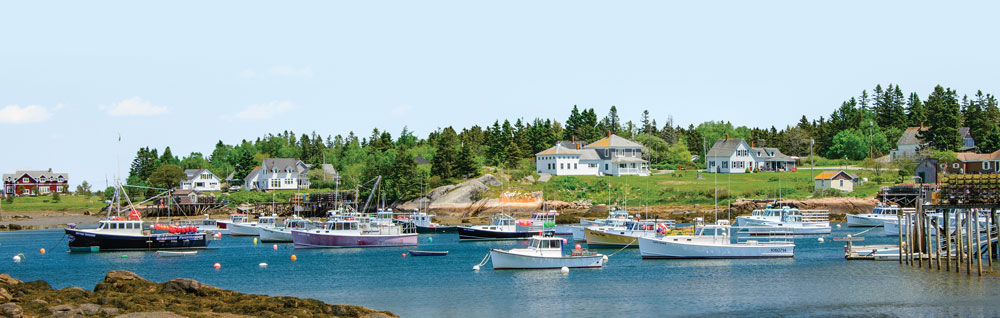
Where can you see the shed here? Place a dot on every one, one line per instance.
(840, 180)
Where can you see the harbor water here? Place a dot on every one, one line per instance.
(818, 281)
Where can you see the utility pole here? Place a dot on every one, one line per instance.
(812, 164)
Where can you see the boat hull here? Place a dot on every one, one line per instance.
(681, 249)
(243, 229)
(579, 234)
(436, 229)
(506, 260)
(428, 253)
(861, 220)
(275, 235)
(468, 233)
(609, 239)
(323, 240)
(118, 242)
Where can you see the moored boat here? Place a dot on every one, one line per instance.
(502, 227)
(544, 252)
(785, 219)
(717, 244)
(176, 253)
(252, 228)
(877, 217)
(282, 234)
(428, 253)
(424, 225)
(357, 231)
(626, 235)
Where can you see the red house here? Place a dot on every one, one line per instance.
(34, 183)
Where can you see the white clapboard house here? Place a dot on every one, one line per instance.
(278, 174)
(612, 155)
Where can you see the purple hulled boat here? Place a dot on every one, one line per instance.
(355, 230)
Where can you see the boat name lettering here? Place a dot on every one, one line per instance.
(779, 250)
(181, 237)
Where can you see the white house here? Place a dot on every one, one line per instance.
(839, 180)
(612, 155)
(278, 174)
(910, 143)
(730, 156)
(200, 180)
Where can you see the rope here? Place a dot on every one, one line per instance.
(60, 241)
(485, 259)
(623, 248)
(865, 231)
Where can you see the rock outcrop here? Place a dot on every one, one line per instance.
(125, 294)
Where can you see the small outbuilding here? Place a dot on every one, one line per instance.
(840, 180)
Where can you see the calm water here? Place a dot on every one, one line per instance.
(818, 281)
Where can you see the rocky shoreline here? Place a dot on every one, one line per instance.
(127, 295)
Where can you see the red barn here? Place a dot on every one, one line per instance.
(35, 183)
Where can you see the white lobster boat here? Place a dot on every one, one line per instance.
(880, 214)
(252, 228)
(717, 244)
(786, 219)
(544, 252)
(282, 234)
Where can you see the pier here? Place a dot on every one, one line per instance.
(949, 237)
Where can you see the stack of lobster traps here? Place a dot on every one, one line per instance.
(970, 189)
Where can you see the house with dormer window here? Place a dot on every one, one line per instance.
(612, 155)
(34, 182)
(200, 180)
(278, 174)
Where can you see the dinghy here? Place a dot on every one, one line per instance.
(428, 253)
(176, 253)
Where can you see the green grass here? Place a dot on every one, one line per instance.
(67, 202)
(684, 187)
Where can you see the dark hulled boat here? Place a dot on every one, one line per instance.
(119, 234)
(502, 227)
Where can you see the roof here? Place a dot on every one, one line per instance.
(282, 164)
(614, 141)
(911, 135)
(192, 173)
(36, 174)
(971, 156)
(572, 144)
(827, 175)
(558, 149)
(420, 160)
(725, 147)
(252, 172)
(772, 154)
(628, 160)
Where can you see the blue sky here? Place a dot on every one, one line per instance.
(186, 74)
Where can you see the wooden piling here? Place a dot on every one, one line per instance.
(979, 244)
(968, 243)
(937, 247)
(899, 221)
(918, 239)
(947, 242)
(989, 237)
(909, 240)
(959, 249)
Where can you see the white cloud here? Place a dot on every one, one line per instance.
(401, 110)
(278, 71)
(134, 106)
(14, 114)
(265, 111)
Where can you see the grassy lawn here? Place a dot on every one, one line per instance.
(684, 187)
(44, 203)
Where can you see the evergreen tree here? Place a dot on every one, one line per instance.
(943, 116)
(466, 164)
(443, 164)
(168, 158)
(915, 113)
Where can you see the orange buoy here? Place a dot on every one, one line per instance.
(42, 250)
(275, 246)
(294, 258)
(217, 266)
(404, 255)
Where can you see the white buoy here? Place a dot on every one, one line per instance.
(605, 258)
(820, 240)
(564, 270)
(838, 226)
(474, 268)
(848, 236)
(262, 264)
(17, 258)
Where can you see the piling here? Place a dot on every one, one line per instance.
(899, 221)
(947, 242)
(937, 247)
(989, 237)
(968, 242)
(979, 244)
(958, 242)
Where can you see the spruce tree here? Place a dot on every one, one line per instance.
(443, 164)
(943, 117)
(915, 113)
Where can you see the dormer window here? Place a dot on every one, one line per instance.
(289, 170)
(61, 179)
(42, 179)
(275, 170)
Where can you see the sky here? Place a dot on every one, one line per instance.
(186, 74)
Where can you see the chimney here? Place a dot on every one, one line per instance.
(609, 133)
(727, 137)
(573, 139)
(577, 146)
(50, 169)
(751, 143)
(921, 125)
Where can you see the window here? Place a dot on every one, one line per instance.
(942, 166)
(574, 166)
(986, 165)
(955, 165)
(59, 189)
(841, 183)
(275, 183)
(560, 166)
(289, 170)
(199, 184)
(25, 180)
(61, 179)
(289, 181)
(605, 166)
(43, 189)
(42, 179)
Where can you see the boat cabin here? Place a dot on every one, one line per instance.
(295, 223)
(546, 245)
(123, 226)
(886, 210)
(238, 218)
(267, 220)
(421, 219)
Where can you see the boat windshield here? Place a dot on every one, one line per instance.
(546, 243)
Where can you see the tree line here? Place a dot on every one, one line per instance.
(861, 127)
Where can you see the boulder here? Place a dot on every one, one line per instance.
(90, 309)
(39, 302)
(4, 295)
(11, 310)
(109, 311)
(184, 285)
(161, 314)
(7, 280)
(598, 208)
(465, 192)
(489, 180)
(114, 276)
(438, 192)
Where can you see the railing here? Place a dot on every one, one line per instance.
(815, 216)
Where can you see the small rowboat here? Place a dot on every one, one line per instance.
(429, 253)
(176, 253)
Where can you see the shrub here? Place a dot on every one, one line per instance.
(55, 197)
